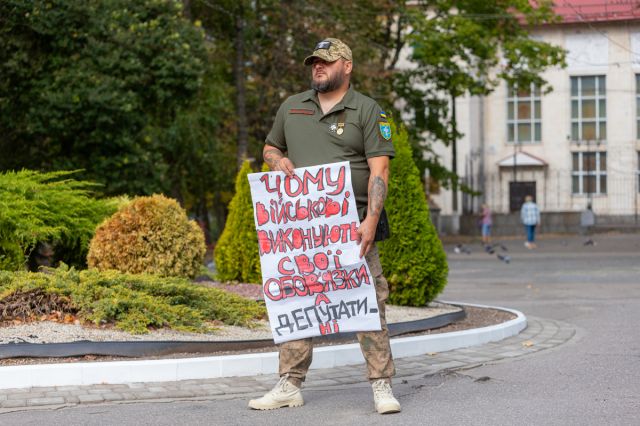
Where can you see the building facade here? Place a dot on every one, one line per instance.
(574, 147)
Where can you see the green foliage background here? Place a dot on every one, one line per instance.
(199, 144)
(413, 259)
(236, 254)
(85, 83)
(48, 208)
(154, 96)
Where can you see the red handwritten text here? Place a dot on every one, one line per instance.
(310, 284)
(279, 212)
(285, 240)
(294, 186)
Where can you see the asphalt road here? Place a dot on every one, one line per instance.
(592, 380)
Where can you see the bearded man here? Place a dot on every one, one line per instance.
(327, 124)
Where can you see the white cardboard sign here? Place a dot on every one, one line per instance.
(313, 278)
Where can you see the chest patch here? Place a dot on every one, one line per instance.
(301, 111)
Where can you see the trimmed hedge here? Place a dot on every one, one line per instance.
(149, 235)
(413, 259)
(133, 303)
(236, 253)
(48, 208)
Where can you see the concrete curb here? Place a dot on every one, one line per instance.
(121, 372)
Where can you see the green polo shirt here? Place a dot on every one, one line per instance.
(310, 137)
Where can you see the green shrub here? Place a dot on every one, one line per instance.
(47, 208)
(149, 235)
(135, 303)
(413, 259)
(83, 82)
(236, 253)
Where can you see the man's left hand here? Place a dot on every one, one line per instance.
(367, 234)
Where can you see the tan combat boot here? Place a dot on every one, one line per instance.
(383, 397)
(283, 394)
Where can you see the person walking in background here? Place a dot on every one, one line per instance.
(587, 220)
(530, 216)
(485, 223)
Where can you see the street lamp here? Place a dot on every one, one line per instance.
(515, 161)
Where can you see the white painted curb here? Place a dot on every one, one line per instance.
(119, 372)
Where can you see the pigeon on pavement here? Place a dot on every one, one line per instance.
(506, 258)
(459, 248)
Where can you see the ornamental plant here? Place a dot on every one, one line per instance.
(48, 208)
(236, 253)
(149, 235)
(413, 259)
(130, 302)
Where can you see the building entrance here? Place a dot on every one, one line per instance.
(517, 192)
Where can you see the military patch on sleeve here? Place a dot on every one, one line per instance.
(385, 130)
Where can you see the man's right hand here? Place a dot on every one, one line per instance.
(285, 165)
(277, 161)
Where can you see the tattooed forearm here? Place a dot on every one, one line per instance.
(272, 156)
(377, 195)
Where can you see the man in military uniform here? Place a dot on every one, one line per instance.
(331, 123)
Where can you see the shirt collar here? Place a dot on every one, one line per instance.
(348, 100)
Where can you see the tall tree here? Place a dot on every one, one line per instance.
(462, 47)
(85, 83)
(199, 147)
(277, 35)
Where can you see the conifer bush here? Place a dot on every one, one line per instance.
(149, 235)
(49, 208)
(236, 253)
(130, 302)
(413, 259)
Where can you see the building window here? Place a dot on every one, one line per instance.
(589, 175)
(588, 108)
(523, 114)
(638, 106)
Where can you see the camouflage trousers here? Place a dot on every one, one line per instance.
(296, 355)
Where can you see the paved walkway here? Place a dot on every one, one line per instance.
(540, 335)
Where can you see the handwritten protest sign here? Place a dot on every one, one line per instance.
(313, 278)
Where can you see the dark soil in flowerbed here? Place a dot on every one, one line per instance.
(250, 291)
(33, 304)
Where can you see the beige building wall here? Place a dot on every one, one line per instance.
(597, 49)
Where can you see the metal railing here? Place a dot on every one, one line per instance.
(556, 191)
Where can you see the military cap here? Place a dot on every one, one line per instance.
(330, 50)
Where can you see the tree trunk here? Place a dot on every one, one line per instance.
(454, 155)
(399, 43)
(186, 9)
(239, 76)
(203, 215)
